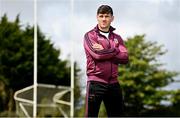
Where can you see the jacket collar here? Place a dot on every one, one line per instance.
(111, 29)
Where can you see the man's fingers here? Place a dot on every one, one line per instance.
(97, 46)
(94, 46)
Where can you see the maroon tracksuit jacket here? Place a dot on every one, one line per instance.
(102, 66)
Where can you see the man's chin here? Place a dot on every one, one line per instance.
(104, 27)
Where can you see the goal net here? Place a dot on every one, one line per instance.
(52, 101)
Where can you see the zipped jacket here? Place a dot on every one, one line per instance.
(102, 65)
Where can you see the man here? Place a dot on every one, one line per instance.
(104, 51)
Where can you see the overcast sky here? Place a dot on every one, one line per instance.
(158, 19)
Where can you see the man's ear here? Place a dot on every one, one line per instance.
(112, 18)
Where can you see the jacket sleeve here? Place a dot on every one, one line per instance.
(98, 54)
(122, 56)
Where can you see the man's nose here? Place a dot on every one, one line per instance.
(104, 18)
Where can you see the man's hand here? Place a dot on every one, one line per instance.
(97, 46)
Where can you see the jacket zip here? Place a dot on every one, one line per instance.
(110, 61)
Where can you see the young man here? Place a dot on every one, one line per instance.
(104, 51)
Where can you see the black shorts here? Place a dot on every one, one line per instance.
(110, 94)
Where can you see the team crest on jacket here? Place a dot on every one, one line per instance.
(115, 40)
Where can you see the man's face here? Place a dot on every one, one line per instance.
(104, 20)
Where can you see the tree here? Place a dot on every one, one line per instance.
(16, 60)
(51, 69)
(16, 54)
(175, 98)
(143, 77)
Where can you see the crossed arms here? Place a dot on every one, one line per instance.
(117, 54)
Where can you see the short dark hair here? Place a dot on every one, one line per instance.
(105, 9)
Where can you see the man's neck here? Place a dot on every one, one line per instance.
(103, 29)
